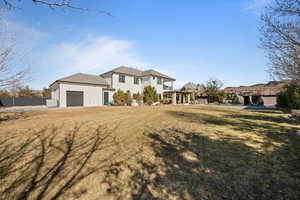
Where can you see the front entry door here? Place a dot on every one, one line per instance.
(106, 100)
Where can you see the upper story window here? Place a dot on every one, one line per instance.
(146, 79)
(159, 81)
(136, 80)
(121, 78)
(153, 77)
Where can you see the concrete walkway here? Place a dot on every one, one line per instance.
(24, 109)
(31, 108)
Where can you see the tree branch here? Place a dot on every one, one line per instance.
(52, 4)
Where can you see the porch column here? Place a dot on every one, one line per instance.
(183, 98)
(188, 98)
(250, 100)
(180, 99)
(174, 98)
(172, 85)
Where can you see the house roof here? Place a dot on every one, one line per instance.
(269, 89)
(156, 73)
(127, 70)
(83, 78)
(136, 72)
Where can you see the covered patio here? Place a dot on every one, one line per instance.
(179, 97)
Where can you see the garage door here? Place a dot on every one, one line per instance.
(74, 98)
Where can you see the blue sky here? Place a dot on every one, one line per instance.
(189, 40)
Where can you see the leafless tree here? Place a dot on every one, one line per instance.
(11, 4)
(281, 38)
(8, 77)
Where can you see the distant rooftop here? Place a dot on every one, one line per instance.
(270, 88)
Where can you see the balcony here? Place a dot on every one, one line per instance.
(168, 87)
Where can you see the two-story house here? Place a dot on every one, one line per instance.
(92, 90)
(134, 80)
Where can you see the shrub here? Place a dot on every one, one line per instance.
(221, 96)
(46, 92)
(150, 95)
(25, 92)
(166, 101)
(120, 98)
(213, 90)
(138, 97)
(128, 99)
(290, 97)
(4, 94)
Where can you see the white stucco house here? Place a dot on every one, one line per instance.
(97, 90)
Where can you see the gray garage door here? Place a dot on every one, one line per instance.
(74, 98)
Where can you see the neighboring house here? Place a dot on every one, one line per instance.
(91, 90)
(259, 94)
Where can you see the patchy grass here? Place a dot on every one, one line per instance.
(178, 152)
(12, 116)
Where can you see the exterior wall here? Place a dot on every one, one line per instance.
(146, 81)
(92, 95)
(55, 94)
(108, 79)
(134, 88)
(159, 88)
(110, 96)
(128, 85)
(269, 100)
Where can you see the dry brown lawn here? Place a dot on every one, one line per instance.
(167, 152)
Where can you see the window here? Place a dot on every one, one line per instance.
(159, 82)
(121, 78)
(136, 80)
(153, 77)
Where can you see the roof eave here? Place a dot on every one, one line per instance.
(59, 81)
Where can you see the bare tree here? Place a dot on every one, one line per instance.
(281, 38)
(8, 77)
(11, 4)
(212, 88)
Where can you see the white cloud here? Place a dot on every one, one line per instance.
(20, 35)
(52, 59)
(94, 54)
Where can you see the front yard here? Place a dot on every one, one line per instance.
(167, 152)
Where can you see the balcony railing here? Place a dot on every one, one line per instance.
(167, 87)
